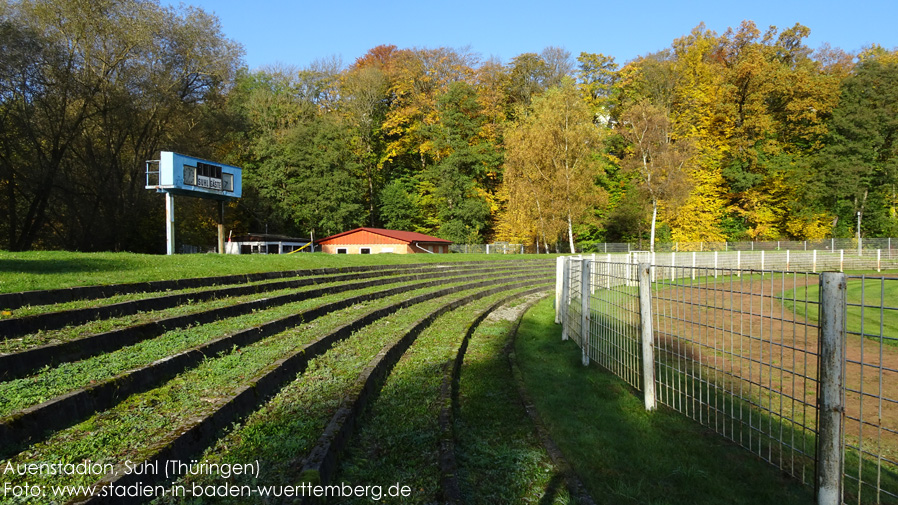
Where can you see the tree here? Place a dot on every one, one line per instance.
(91, 90)
(597, 77)
(552, 162)
(859, 164)
(312, 177)
(656, 157)
(462, 177)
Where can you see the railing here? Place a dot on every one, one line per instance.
(748, 353)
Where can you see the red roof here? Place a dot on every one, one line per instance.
(404, 236)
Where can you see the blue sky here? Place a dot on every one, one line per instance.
(299, 32)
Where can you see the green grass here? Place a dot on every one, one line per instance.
(625, 454)
(500, 457)
(27, 271)
(401, 431)
(283, 431)
(129, 430)
(50, 382)
(872, 307)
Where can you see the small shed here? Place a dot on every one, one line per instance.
(264, 243)
(379, 240)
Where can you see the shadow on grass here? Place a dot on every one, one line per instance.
(625, 454)
(48, 266)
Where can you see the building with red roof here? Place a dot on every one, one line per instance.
(379, 240)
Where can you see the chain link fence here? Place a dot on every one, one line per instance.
(799, 368)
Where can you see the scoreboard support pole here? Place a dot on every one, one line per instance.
(169, 223)
(221, 242)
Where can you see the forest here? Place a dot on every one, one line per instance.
(745, 135)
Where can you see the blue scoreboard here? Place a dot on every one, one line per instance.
(178, 174)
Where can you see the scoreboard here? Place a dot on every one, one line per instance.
(178, 174)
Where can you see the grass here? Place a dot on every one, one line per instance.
(872, 309)
(283, 431)
(27, 271)
(625, 454)
(128, 431)
(398, 440)
(501, 460)
(21, 393)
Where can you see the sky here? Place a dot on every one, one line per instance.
(299, 32)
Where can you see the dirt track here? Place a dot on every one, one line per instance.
(756, 349)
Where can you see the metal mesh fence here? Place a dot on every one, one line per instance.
(871, 391)
(737, 350)
(887, 246)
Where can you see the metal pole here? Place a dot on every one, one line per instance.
(585, 316)
(859, 233)
(169, 224)
(830, 403)
(648, 349)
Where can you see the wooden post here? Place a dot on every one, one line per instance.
(830, 407)
(221, 242)
(648, 338)
(585, 316)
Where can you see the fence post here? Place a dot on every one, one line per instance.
(693, 265)
(787, 259)
(841, 260)
(648, 336)
(715, 264)
(738, 263)
(565, 295)
(830, 405)
(879, 260)
(559, 287)
(592, 278)
(585, 316)
(762, 259)
(814, 268)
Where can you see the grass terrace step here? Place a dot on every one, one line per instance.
(17, 326)
(19, 426)
(401, 434)
(198, 433)
(17, 364)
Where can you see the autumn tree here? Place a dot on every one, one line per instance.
(656, 157)
(552, 163)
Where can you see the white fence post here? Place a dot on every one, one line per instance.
(814, 267)
(738, 263)
(585, 316)
(787, 259)
(565, 295)
(693, 265)
(648, 335)
(762, 259)
(841, 260)
(879, 260)
(559, 287)
(592, 278)
(830, 407)
(715, 264)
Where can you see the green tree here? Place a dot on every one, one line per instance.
(312, 178)
(462, 178)
(859, 165)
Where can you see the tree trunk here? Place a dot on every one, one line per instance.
(570, 232)
(654, 218)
